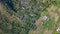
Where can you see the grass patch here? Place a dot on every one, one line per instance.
(48, 24)
(57, 3)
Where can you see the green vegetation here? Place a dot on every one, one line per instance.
(49, 24)
(19, 16)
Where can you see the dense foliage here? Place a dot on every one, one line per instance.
(22, 17)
